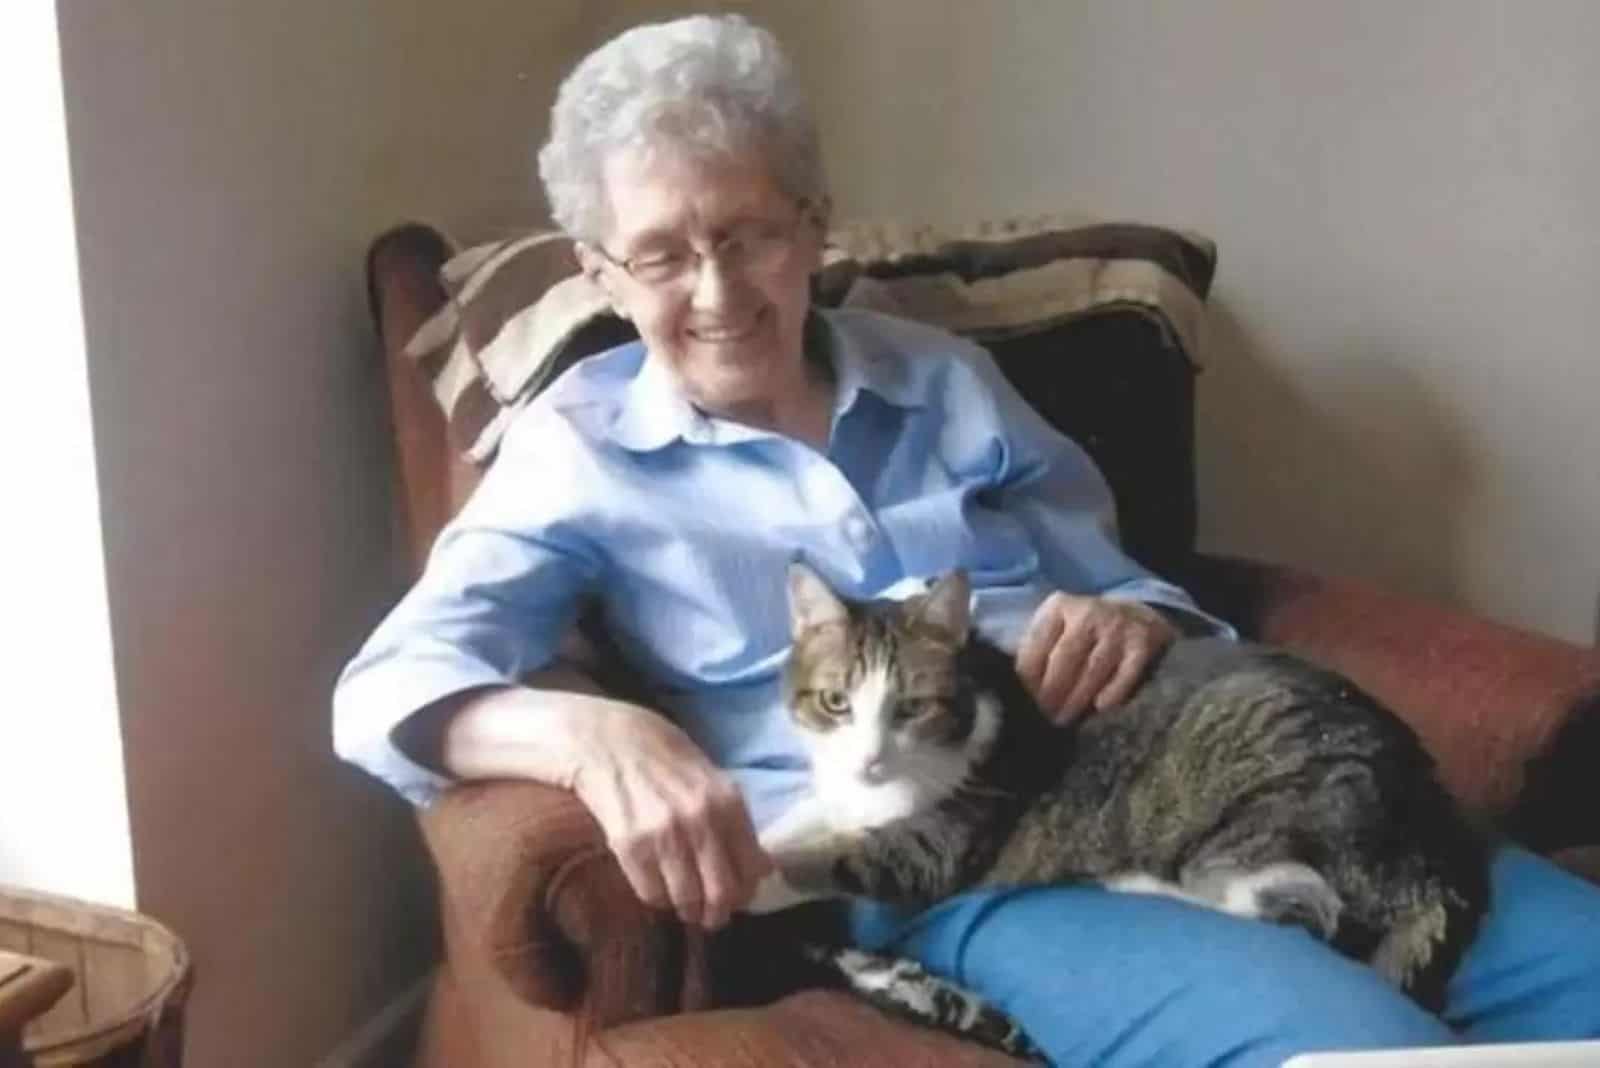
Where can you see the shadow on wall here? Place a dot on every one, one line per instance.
(395, 925)
(1354, 468)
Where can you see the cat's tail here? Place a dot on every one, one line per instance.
(903, 988)
(1432, 900)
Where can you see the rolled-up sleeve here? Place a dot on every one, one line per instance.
(499, 591)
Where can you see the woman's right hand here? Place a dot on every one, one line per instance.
(676, 823)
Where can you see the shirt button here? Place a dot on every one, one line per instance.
(858, 530)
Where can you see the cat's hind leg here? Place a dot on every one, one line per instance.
(904, 988)
(1285, 892)
(1138, 882)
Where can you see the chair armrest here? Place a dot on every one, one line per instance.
(535, 905)
(1486, 698)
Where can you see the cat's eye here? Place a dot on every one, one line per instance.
(906, 711)
(834, 702)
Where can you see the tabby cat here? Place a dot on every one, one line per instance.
(1237, 777)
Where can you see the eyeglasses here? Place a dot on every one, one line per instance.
(751, 249)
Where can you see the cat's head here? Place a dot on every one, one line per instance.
(877, 693)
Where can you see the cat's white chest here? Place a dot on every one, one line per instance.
(853, 806)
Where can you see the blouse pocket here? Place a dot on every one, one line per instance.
(936, 532)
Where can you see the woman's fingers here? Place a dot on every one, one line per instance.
(744, 846)
(1098, 668)
(678, 827)
(1135, 660)
(680, 871)
(643, 872)
(1085, 652)
(1038, 641)
(725, 838)
(1064, 675)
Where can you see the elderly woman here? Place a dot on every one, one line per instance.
(670, 480)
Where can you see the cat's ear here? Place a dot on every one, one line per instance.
(811, 602)
(945, 607)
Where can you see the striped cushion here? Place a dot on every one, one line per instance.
(519, 313)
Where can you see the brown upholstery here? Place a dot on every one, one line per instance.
(551, 961)
(1483, 696)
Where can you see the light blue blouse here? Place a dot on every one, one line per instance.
(611, 486)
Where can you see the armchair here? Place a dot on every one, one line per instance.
(549, 959)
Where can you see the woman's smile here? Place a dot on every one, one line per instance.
(728, 333)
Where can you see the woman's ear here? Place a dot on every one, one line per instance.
(822, 215)
(818, 213)
(593, 265)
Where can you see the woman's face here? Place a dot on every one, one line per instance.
(729, 320)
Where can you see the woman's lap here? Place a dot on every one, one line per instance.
(1120, 979)
(1534, 970)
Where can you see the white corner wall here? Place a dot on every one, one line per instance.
(60, 742)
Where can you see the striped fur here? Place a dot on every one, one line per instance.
(1238, 778)
(904, 988)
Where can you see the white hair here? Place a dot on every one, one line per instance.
(707, 86)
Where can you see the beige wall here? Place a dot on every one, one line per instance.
(1402, 380)
(231, 161)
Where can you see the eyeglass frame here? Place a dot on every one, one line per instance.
(686, 278)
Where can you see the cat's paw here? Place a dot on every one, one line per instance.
(775, 893)
(801, 873)
(804, 821)
(1286, 893)
(810, 862)
(1298, 895)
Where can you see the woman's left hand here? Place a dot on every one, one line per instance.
(1083, 652)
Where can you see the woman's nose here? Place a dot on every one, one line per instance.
(714, 284)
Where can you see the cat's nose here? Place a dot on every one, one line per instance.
(874, 771)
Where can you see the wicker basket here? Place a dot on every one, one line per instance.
(125, 1009)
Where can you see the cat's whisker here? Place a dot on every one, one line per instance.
(977, 790)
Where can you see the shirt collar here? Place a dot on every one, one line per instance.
(653, 412)
(864, 362)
